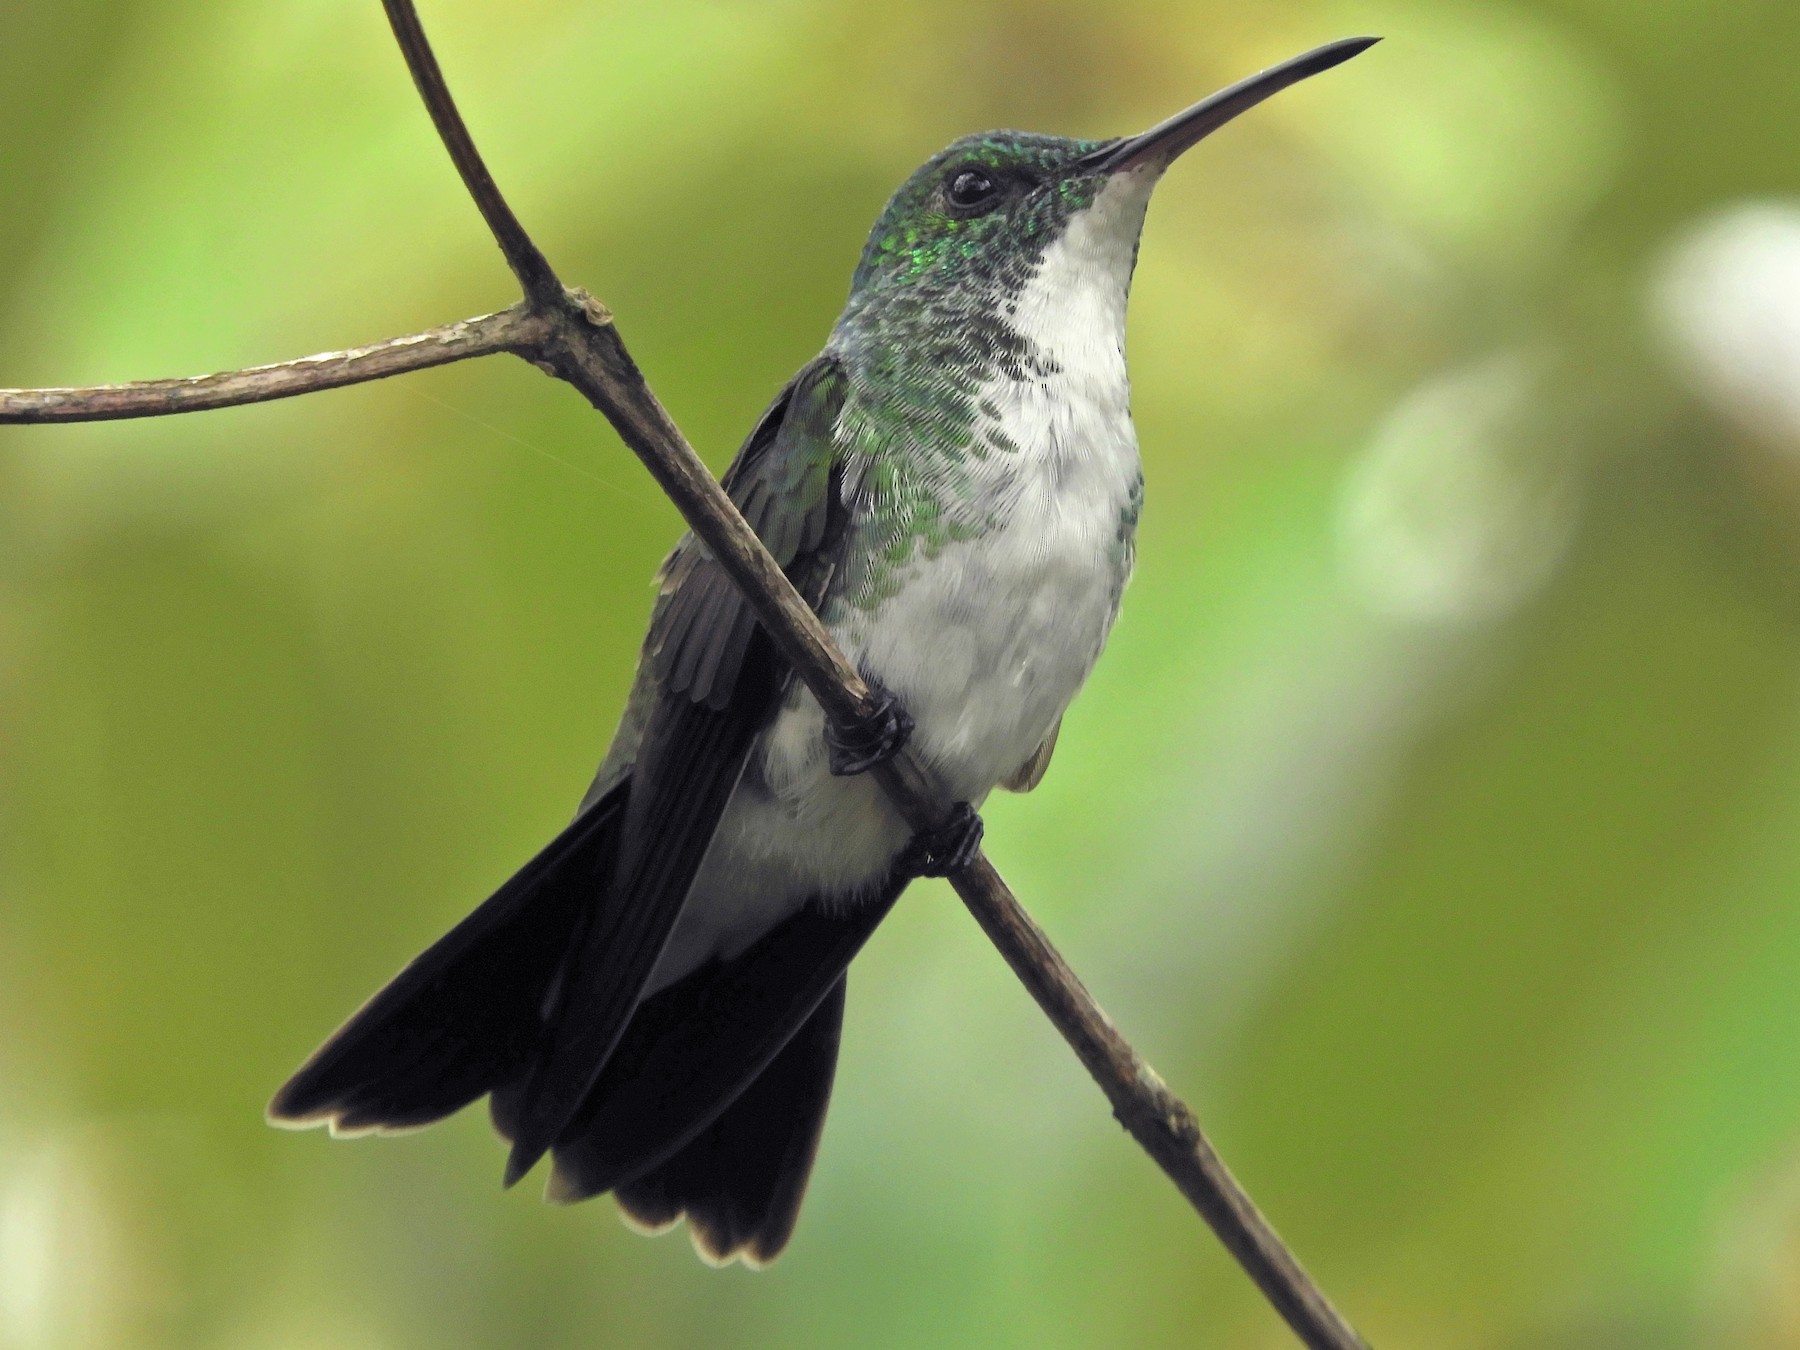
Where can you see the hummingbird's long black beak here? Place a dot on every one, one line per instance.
(1166, 140)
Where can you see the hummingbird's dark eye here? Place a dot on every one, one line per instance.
(970, 190)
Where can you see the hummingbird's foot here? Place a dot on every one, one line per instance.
(944, 849)
(874, 740)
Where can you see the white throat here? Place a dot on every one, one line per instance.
(1073, 308)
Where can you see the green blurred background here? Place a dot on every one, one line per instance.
(1433, 821)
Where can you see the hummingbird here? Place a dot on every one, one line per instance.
(953, 484)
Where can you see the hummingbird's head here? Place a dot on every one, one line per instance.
(977, 210)
(974, 224)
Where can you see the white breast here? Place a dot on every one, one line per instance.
(985, 644)
(988, 644)
(1013, 620)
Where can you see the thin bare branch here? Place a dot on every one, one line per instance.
(522, 254)
(572, 336)
(512, 329)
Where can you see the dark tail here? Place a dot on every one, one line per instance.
(710, 1105)
(466, 1016)
(741, 1179)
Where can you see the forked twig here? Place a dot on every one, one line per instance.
(571, 336)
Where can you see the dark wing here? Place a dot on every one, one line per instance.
(1029, 774)
(783, 481)
(722, 682)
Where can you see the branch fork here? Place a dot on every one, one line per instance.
(571, 335)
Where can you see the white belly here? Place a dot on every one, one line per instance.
(985, 645)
